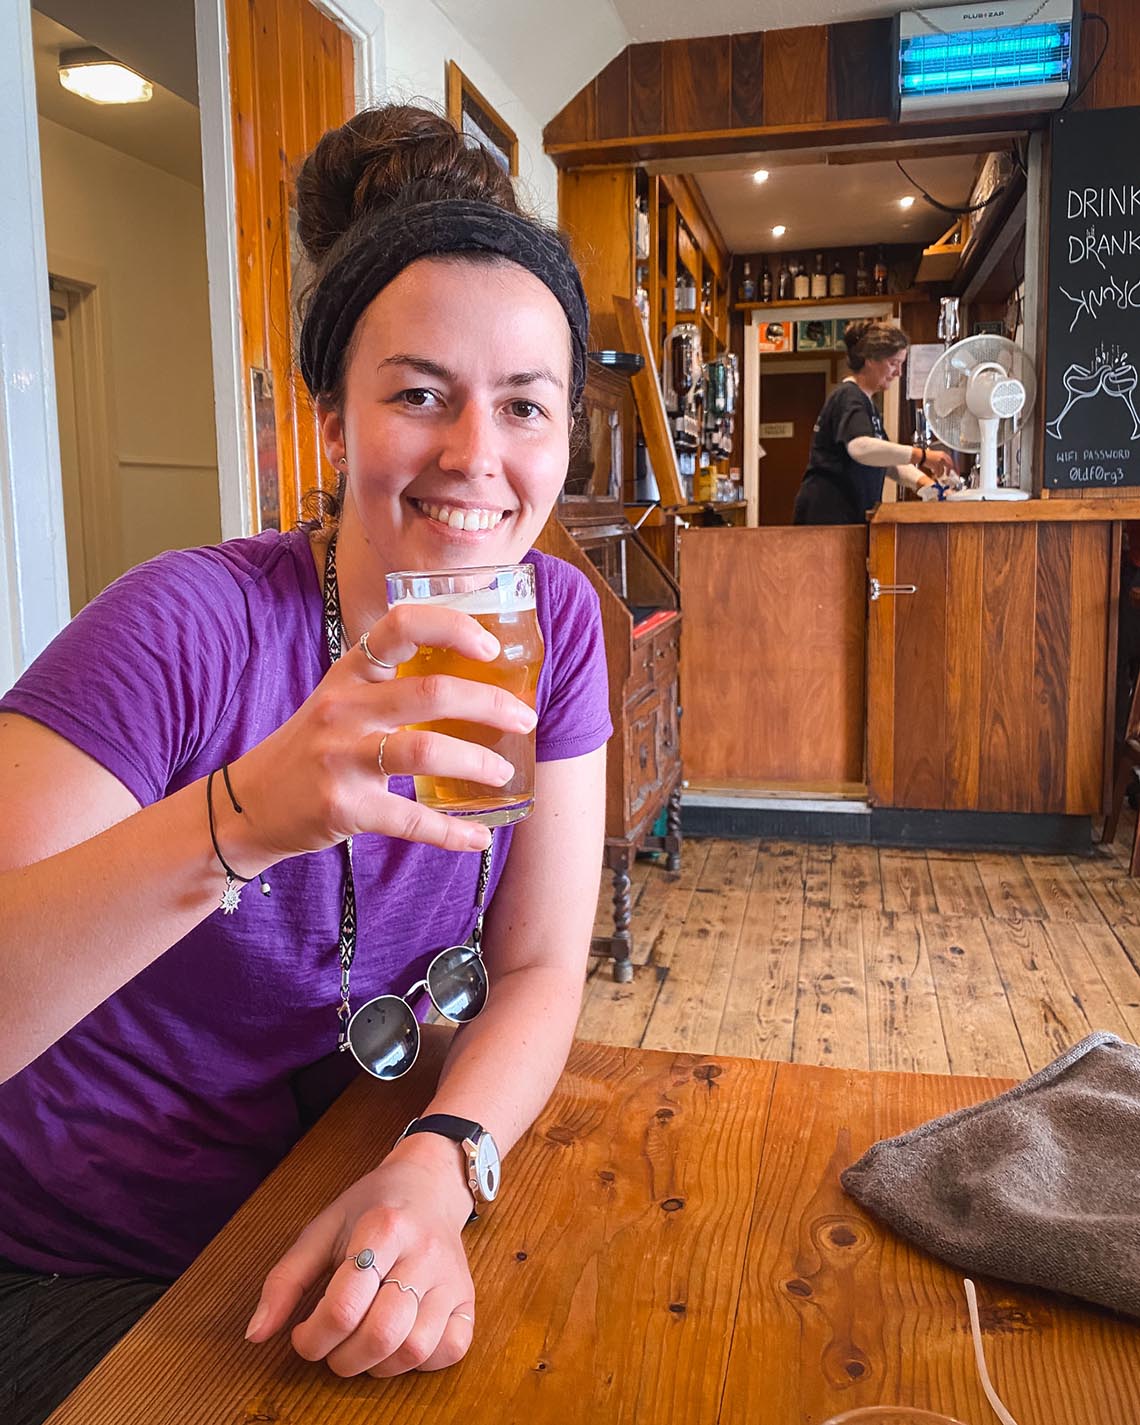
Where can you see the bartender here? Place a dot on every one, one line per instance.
(850, 455)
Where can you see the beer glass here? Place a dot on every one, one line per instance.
(502, 599)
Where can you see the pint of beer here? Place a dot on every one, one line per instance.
(502, 600)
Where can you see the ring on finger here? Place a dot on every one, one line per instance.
(377, 662)
(404, 1286)
(380, 756)
(363, 1260)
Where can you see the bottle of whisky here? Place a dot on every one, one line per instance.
(802, 284)
(880, 275)
(862, 276)
(765, 281)
(748, 285)
(819, 277)
(837, 282)
(784, 281)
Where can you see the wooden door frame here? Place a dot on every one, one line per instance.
(363, 20)
(102, 531)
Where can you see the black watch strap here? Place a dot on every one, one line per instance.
(447, 1125)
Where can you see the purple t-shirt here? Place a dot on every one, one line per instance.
(128, 1144)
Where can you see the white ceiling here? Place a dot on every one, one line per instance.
(681, 19)
(164, 132)
(833, 205)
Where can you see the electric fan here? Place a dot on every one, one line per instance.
(978, 395)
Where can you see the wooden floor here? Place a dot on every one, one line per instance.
(943, 962)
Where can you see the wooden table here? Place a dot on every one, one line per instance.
(673, 1247)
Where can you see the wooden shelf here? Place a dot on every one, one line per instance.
(699, 507)
(911, 296)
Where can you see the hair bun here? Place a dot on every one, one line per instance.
(381, 156)
(856, 330)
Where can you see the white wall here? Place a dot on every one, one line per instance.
(144, 231)
(418, 42)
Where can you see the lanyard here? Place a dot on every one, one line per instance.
(346, 940)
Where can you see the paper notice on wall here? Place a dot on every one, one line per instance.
(777, 430)
(919, 364)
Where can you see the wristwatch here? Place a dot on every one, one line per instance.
(480, 1153)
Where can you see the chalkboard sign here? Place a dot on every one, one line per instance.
(1092, 416)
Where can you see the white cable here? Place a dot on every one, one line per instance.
(980, 1357)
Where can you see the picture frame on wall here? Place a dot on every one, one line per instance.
(815, 335)
(776, 337)
(477, 119)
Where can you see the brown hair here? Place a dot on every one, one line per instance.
(869, 339)
(394, 154)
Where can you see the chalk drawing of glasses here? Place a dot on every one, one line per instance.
(1115, 376)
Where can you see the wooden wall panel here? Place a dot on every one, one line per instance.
(575, 121)
(920, 650)
(965, 593)
(881, 672)
(1117, 81)
(697, 84)
(1007, 616)
(1090, 594)
(859, 70)
(646, 102)
(291, 78)
(772, 655)
(595, 208)
(612, 98)
(747, 81)
(795, 76)
(1048, 715)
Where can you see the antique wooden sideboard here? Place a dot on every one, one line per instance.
(641, 617)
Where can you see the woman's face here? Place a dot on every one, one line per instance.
(456, 421)
(886, 370)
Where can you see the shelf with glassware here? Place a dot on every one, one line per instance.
(684, 295)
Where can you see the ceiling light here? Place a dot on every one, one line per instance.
(760, 176)
(96, 76)
(779, 230)
(907, 202)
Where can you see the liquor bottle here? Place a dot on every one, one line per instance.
(862, 276)
(819, 278)
(765, 281)
(837, 283)
(802, 284)
(642, 229)
(686, 294)
(880, 274)
(784, 281)
(748, 286)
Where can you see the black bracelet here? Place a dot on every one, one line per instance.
(231, 896)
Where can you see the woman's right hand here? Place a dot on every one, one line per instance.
(939, 464)
(318, 780)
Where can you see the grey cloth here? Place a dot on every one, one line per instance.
(1040, 1185)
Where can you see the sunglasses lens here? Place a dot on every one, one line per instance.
(384, 1036)
(457, 982)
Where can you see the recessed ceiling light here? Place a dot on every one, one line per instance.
(779, 230)
(760, 176)
(96, 76)
(907, 202)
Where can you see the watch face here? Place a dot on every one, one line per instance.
(487, 1167)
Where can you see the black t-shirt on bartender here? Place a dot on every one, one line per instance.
(837, 489)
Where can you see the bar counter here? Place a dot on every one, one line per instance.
(951, 657)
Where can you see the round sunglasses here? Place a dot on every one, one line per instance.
(384, 1034)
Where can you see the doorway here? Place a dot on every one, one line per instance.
(795, 399)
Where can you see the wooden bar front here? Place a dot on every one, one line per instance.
(672, 1247)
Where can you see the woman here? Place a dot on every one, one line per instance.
(850, 455)
(161, 1055)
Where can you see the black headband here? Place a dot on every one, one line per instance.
(393, 241)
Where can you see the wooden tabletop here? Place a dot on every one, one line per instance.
(672, 1248)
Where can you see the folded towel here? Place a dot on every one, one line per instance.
(1040, 1185)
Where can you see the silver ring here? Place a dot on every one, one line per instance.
(377, 662)
(380, 755)
(364, 1259)
(395, 1281)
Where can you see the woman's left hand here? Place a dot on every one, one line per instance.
(410, 1212)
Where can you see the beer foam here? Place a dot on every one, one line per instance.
(477, 601)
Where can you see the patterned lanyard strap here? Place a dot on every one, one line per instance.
(346, 941)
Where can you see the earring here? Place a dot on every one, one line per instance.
(343, 463)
